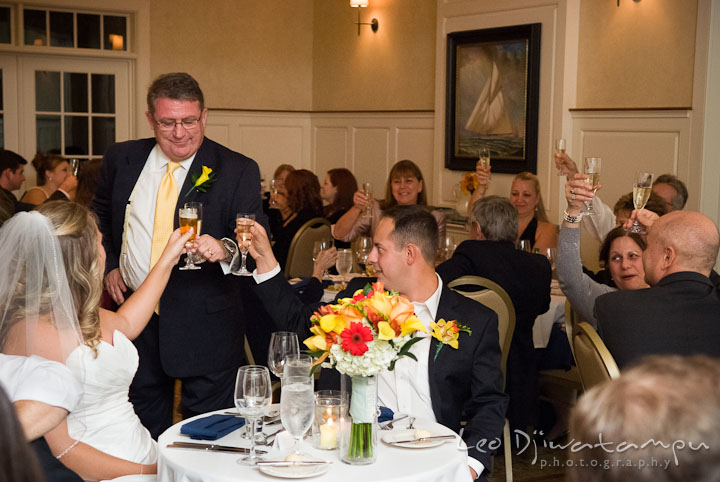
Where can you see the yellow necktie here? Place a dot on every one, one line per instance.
(164, 212)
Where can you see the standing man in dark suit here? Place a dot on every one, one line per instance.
(680, 312)
(197, 332)
(12, 175)
(466, 381)
(526, 277)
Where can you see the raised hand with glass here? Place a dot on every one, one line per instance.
(244, 221)
(190, 217)
(642, 187)
(321, 245)
(253, 395)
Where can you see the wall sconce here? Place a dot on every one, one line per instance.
(374, 25)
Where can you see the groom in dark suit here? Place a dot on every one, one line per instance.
(464, 382)
(197, 332)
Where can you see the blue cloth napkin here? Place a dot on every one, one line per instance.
(385, 415)
(212, 427)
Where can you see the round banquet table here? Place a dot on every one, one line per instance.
(443, 463)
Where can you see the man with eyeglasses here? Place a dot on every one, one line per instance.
(197, 332)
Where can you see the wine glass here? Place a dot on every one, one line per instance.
(321, 245)
(525, 245)
(367, 190)
(551, 256)
(244, 222)
(297, 364)
(297, 406)
(560, 146)
(282, 344)
(591, 167)
(190, 217)
(343, 264)
(447, 248)
(363, 246)
(253, 394)
(642, 187)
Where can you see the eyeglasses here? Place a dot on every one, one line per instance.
(169, 124)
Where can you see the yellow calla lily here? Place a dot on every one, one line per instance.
(385, 332)
(316, 343)
(413, 323)
(204, 176)
(334, 323)
(315, 329)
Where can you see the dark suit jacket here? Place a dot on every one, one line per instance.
(201, 314)
(680, 315)
(463, 381)
(526, 278)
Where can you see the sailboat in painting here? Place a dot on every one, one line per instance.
(489, 115)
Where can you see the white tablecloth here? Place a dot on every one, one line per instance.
(444, 463)
(544, 323)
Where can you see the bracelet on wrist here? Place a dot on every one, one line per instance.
(571, 219)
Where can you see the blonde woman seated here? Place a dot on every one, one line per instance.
(533, 223)
(53, 264)
(53, 174)
(404, 187)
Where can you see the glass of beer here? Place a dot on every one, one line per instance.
(190, 217)
(244, 221)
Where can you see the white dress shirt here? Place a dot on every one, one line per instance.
(38, 379)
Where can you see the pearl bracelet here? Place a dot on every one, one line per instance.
(571, 219)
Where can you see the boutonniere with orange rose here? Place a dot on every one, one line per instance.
(203, 182)
(365, 334)
(447, 333)
(468, 183)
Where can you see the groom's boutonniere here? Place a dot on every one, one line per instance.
(203, 182)
(447, 333)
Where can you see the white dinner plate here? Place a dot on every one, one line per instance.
(396, 435)
(301, 472)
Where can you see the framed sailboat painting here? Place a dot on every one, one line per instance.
(493, 79)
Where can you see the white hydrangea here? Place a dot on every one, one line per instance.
(378, 357)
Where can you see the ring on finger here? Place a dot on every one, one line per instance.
(573, 196)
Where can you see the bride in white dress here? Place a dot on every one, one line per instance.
(54, 261)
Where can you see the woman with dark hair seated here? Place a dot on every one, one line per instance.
(337, 191)
(404, 186)
(621, 253)
(298, 201)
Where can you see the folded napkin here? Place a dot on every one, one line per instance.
(385, 415)
(212, 427)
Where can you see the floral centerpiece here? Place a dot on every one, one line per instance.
(360, 337)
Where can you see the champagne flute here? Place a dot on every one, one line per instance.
(363, 246)
(297, 407)
(253, 394)
(484, 154)
(273, 193)
(196, 258)
(343, 264)
(244, 222)
(282, 344)
(525, 245)
(321, 245)
(560, 146)
(591, 167)
(642, 187)
(367, 190)
(190, 217)
(75, 166)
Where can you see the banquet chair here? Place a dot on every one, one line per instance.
(568, 379)
(300, 255)
(493, 296)
(594, 361)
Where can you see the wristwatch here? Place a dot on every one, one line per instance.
(231, 249)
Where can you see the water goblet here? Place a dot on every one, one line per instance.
(282, 344)
(190, 217)
(253, 394)
(642, 187)
(297, 364)
(363, 246)
(343, 264)
(297, 407)
(244, 221)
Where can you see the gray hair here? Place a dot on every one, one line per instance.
(496, 217)
(680, 199)
(176, 86)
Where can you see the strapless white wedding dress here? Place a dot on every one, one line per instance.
(104, 417)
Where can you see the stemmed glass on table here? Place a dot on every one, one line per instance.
(190, 217)
(282, 344)
(591, 167)
(642, 187)
(297, 406)
(253, 395)
(343, 264)
(297, 364)
(244, 221)
(363, 246)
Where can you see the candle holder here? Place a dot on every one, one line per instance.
(330, 407)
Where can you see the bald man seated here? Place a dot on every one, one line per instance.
(680, 312)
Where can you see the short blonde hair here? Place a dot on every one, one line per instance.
(77, 232)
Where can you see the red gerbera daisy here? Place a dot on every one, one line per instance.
(354, 338)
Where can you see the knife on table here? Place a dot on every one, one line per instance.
(292, 463)
(422, 439)
(213, 447)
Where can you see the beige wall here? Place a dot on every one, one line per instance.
(392, 69)
(246, 54)
(637, 55)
